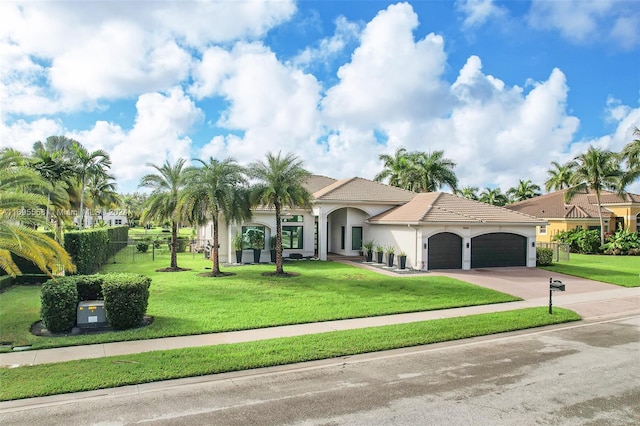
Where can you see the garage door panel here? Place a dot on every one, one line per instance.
(445, 251)
(498, 249)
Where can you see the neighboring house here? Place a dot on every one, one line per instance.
(435, 230)
(109, 217)
(581, 212)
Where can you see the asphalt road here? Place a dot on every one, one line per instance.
(577, 374)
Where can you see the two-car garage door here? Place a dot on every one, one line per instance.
(488, 250)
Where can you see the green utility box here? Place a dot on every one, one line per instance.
(91, 313)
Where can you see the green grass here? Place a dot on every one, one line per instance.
(75, 376)
(619, 270)
(141, 233)
(183, 303)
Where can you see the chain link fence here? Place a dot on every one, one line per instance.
(133, 251)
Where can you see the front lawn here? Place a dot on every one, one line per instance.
(620, 270)
(184, 303)
(90, 374)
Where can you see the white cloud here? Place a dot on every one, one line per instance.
(89, 51)
(390, 77)
(327, 48)
(21, 134)
(478, 12)
(587, 21)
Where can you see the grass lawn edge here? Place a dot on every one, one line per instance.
(109, 372)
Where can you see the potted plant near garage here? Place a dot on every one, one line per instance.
(390, 256)
(368, 249)
(256, 239)
(402, 259)
(379, 253)
(236, 242)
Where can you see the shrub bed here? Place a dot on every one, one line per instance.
(544, 256)
(126, 297)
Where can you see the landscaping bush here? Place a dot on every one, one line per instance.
(125, 299)
(142, 247)
(59, 299)
(622, 241)
(89, 286)
(183, 243)
(580, 240)
(89, 249)
(544, 256)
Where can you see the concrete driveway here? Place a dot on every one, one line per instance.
(527, 283)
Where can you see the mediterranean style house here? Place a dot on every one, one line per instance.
(581, 212)
(434, 230)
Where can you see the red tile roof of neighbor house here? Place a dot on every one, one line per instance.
(583, 204)
(357, 189)
(441, 207)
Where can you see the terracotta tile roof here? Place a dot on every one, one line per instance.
(317, 182)
(363, 190)
(441, 207)
(582, 205)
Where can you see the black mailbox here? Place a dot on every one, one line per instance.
(554, 285)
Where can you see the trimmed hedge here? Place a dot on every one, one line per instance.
(91, 248)
(544, 256)
(125, 299)
(59, 300)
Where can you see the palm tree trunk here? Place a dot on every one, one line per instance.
(601, 219)
(174, 245)
(215, 255)
(279, 266)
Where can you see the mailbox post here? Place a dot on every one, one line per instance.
(554, 285)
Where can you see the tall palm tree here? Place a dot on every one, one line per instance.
(595, 170)
(216, 189)
(164, 201)
(279, 185)
(89, 165)
(631, 154)
(493, 196)
(395, 168)
(432, 171)
(525, 190)
(559, 176)
(470, 192)
(19, 217)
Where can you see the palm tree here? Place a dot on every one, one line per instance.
(395, 168)
(133, 204)
(493, 196)
(432, 171)
(164, 201)
(217, 189)
(470, 192)
(595, 170)
(88, 165)
(101, 190)
(279, 185)
(559, 176)
(19, 217)
(525, 190)
(631, 154)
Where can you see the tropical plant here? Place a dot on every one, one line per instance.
(417, 171)
(217, 189)
(595, 170)
(580, 240)
(101, 190)
(279, 185)
(20, 215)
(631, 155)
(525, 190)
(163, 203)
(623, 241)
(493, 196)
(559, 176)
(89, 165)
(469, 192)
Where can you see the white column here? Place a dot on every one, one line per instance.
(466, 253)
(322, 235)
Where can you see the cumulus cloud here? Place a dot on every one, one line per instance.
(586, 21)
(478, 12)
(327, 48)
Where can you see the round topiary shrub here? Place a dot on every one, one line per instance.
(544, 256)
(125, 299)
(89, 286)
(59, 299)
(142, 247)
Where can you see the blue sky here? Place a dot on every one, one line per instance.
(504, 88)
